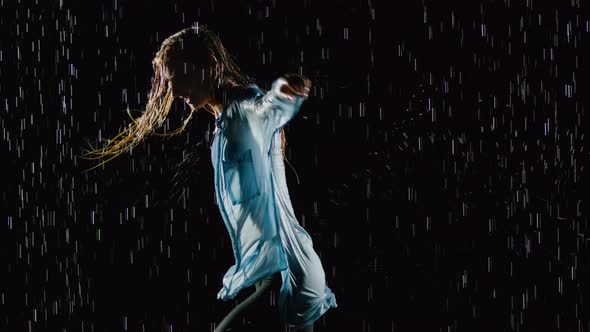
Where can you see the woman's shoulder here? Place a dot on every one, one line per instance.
(245, 92)
(242, 98)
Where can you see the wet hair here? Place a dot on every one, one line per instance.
(195, 45)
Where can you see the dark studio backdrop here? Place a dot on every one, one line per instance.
(439, 164)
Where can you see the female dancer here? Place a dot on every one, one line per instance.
(247, 151)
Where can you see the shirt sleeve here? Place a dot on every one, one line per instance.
(275, 107)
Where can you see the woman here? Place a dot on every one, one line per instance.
(247, 151)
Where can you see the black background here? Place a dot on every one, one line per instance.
(439, 164)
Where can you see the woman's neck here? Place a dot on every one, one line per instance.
(217, 97)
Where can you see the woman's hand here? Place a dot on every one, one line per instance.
(296, 85)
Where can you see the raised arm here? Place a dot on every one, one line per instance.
(280, 104)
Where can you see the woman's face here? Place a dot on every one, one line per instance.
(189, 81)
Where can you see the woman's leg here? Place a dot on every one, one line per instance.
(308, 328)
(263, 287)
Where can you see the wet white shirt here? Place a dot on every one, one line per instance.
(252, 195)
